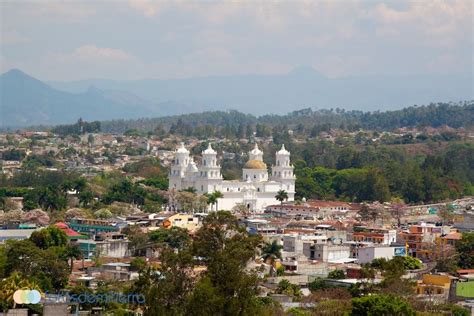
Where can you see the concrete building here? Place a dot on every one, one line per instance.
(301, 244)
(15, 234)
(373, 235)
(330, 253)
(367, 254)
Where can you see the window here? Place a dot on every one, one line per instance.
(204, 162)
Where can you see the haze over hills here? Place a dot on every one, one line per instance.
(300, 88)
(28, 101)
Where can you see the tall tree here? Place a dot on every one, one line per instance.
(281, 196)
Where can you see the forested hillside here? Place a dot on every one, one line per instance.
(221, 123)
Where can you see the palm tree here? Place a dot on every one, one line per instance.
(217, 195)
(73, 252)
(85, 198)
(16, 281)
(271, 251)
(211, 199)
(281, 196)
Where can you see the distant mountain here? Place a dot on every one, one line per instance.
(279, 94)
(27, 101)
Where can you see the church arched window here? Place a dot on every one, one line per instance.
(204, 161)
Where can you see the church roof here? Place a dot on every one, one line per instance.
(255, 164)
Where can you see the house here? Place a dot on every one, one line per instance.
(379, 236)
(15, 234)
(191, 222)
(369, 253)
(116, 271)
(330, 253)
(115, 247)
(421, 240)
(435, 286)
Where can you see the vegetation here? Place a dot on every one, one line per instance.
(336, 274)
(238, 125)
(376, 305)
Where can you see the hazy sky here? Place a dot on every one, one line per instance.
(168, 39)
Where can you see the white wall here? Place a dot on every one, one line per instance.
(367, 254)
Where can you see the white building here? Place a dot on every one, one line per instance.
(367, 254)
(256, 189)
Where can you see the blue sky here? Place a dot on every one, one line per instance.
(70, 40)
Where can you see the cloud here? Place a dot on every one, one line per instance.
(148, 8)
(94, 53)
(13, 37)
(199, 38)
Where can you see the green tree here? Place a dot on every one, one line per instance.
(225, 248)
(72, 252)
(174, 237)
(381, 305)
(171, 285)
(465, 249)
(15, 281)
(138, 264)
(285, 287)
(217, 195)
(336, 274)
(281, 196)
(271, 251)
(50, 236)
(86, 198)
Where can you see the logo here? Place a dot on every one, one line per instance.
(27, 297)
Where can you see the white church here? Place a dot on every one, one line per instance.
(256, 190)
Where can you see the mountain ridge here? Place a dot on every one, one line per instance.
(27, 101)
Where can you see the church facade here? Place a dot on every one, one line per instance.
(256, 189)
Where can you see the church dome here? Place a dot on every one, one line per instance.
(255, 151)
(255, 164)
(209, 150)
(283, 151)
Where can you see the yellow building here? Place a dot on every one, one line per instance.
(187, 221)
(434, 284)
